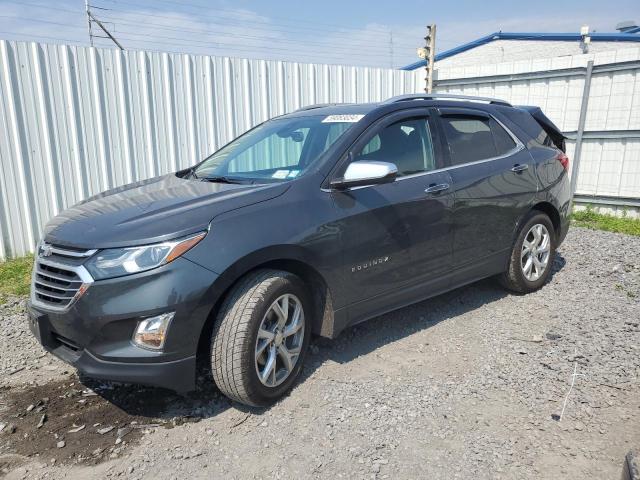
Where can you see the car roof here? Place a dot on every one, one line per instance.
(333, 109)
(396, 103)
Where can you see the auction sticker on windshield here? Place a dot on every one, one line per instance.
(342, 118)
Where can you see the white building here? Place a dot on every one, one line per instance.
(502, 47)
(598, 109)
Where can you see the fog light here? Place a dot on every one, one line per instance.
(152, 332)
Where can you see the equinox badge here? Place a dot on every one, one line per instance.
(369, 264)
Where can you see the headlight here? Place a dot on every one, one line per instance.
(116, 262)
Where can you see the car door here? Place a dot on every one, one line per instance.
(396, 236)
(494, 184)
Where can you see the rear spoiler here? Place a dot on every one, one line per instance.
(547, 125)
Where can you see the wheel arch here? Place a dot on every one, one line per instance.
(542, 206)
(552, 212)
(285, 258)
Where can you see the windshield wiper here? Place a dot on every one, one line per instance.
(223, 179)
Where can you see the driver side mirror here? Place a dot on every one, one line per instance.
(365, 172)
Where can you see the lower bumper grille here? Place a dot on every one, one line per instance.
(70, 344)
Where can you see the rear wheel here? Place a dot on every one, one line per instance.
(532, 255)
(260, 337)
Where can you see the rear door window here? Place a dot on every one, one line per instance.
(473, 138)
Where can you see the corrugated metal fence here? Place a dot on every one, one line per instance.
(76, 121)
(609, 172)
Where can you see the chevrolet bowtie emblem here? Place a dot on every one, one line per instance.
(46, 250)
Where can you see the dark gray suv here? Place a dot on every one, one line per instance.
(307, 224)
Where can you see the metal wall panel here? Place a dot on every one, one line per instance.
(609, 165)
(76, 121)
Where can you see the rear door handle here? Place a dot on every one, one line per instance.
(519, 168)
(435, 188)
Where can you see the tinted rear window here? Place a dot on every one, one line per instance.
(529, 124)
(473, 138)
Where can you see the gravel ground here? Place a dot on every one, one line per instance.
(470, 384)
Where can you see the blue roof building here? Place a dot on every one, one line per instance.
(512, 46)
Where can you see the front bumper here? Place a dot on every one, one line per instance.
(175, 375)
(94, 334)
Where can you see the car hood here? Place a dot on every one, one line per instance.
(151, 211)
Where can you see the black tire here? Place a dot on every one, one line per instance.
(514, 279)
(235, 333)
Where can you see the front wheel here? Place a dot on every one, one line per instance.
(532, 255)
(260, 337)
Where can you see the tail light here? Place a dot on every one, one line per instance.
(564, 160)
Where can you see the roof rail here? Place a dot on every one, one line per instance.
(317, 105)
(445, 96)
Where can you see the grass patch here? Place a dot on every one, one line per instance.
(15, 277)
(590, 218)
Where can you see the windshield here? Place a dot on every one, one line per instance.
(276, 151)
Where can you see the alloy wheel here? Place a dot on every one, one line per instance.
(280, 339)
(536, 248)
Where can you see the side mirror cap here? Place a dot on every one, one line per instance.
(366, 172)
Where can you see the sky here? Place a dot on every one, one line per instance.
(375, 33)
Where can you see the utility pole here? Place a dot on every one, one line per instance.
(86, 8)
(430, 50)
(586, 90)
(91, 19)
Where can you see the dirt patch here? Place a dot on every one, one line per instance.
(9, 462)
(67, 421)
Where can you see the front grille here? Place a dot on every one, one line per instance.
(54, 285)
(59, 276)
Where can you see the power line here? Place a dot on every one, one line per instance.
(236, 13)
(352, 45)
(270, 27)
(347, 60)
(225, 21)
(46, 37)
(225, 24)
(327, 50)
(46, 7)
(117, 19)
(69, 25)
(185, 42)
(30, 36)
(199, 43)
(216, 45)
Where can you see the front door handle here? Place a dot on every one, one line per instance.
(437, 187)
(519, 168)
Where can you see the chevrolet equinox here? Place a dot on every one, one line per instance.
(307, 224)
